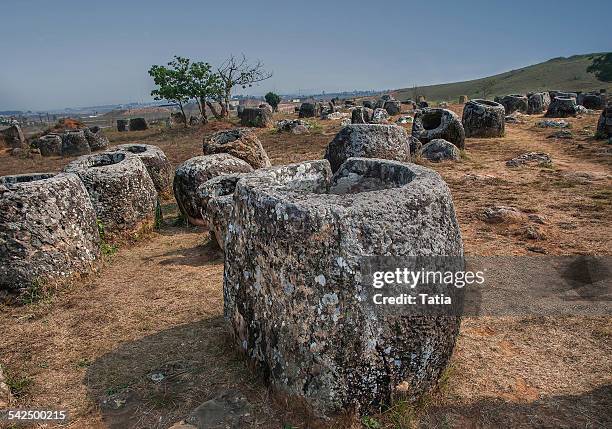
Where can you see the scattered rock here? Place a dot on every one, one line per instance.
(513, 119)
(503, 214)
(532, 232)
(561, 134)
(120, 188)
(368, 141)
(155, 161)
(334, 116)
(195, 172)
(438, 123)
(440, 150)
(48, 229)
(293, 126)
(483, 118)
(547, 123)
(241, 143)
(288, 240)
(539, 158)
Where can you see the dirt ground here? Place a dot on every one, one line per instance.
(155, 307)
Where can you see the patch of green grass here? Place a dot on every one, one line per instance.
(106, 248)
(370, 422)
(19, 385)
(83, 363)
(159, 217)
(35, 292)
(117, 388)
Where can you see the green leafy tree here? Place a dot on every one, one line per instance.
(273, 99)
(602, 67)
(204, 86)
(173, 82)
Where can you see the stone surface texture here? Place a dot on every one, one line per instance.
(48, 229)
(155, 161)
(75, 143)
(256, 117)
(240, 143)
(483, 118)
(120, 189)
(561, 107)
(49, 145)
(368, 141)
(95, 138)
(437, 123)
(514, 103)
(292, 280)
(440, 150)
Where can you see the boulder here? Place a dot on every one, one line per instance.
(293, 126)
(310, 110)
(241, 143)
(196, 171)
(379, 116)
(295, 290)
(156, 162)
(514, 103)
(256, 117)
(368, 141)
(440, 150)
(122, 125)
(561, 107)
(95, 138)
(393, 107)
(49, 145)
(75, 143)
(48, 230)
(483, 118)
(438, 123)
(13, 137)
(138, 124)
(535, 103)
(120, 189)
(361, 115)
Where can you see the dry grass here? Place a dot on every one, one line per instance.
(156, 305)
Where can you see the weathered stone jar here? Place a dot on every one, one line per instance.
(438, 123)
(239, 142)
(155, 160)
(292, 280)
(120, 189)
(483, 118)
(48, 229)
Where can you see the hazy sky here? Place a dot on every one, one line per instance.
(57, 54)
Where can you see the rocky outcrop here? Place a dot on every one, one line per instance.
(120, 189)
(361, 115)
(49, 145)
(194, 172)
(514, 103)
(256, 117)
(483, 118)
(75, 143)
(240, 143)
(295, 291)
(48, 230)
(138, 124)
(13, 137)
(310, 110)
(95, 138)
(561, 107)
(368, 141)
(440, 150)
(156, 162)
(438, 123)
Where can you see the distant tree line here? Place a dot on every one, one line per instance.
(182, 80)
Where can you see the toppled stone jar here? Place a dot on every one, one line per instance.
(120, 189)
(48, 229)
(292, 280)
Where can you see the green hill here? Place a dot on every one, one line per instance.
(568, 74)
